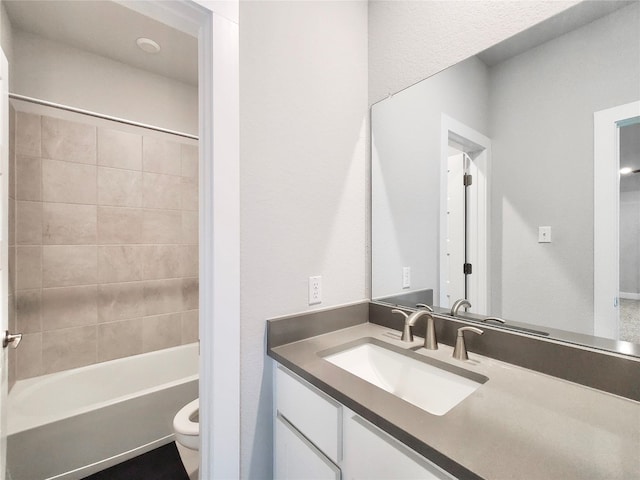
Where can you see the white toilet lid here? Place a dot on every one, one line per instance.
(182, 423)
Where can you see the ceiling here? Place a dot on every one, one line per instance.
(109, 29)
(566, 21)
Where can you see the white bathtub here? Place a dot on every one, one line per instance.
(71, 424)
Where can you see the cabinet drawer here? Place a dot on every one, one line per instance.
(316, 416)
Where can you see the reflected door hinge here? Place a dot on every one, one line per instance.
(467, 269)
(616, 302)
(467, 179)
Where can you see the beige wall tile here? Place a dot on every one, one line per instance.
(119, 339)
(119, 149)
(161, 331)
(28, 267)
(12, 174)
(190, 327)
(69, 141)
(190, 228)
(69, 348)
(28, 311)
(28, 134)
(64, 266)
(68, 182)
(28, 178)
(29, 357)
(118, 301)
(189, 160)
(69, 307)
(189, 261)
(162, 261)
(121, 188)
(13, 252)
(69, 224)
(160, 156)
(161, 191)
(120, 263)
(162, 296)
(161, 226)
(189, 194)
(190, 293)
(29, 223)
(12, 221)
(120, 225)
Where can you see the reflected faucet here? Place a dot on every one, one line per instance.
(424, 305)
(459, 303)
(495, 319)
(430, 340)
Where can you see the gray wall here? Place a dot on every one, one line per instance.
(542, 166)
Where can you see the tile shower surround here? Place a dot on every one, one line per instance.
(106, 254)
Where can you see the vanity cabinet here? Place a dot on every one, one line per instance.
(318, 438)
(297, 458)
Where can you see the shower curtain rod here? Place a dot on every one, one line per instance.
(99, 115)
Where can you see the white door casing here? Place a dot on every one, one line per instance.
(478, 220)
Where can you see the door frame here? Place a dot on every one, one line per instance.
(472, 140)
(216, 24)
(606, 213)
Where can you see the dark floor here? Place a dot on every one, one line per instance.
(160, 464)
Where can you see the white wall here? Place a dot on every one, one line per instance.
(406, 172)
(303, 124)
(61, 74)
(542, 170)
(411, 40)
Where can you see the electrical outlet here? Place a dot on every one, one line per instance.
(406, 277)
(315, 290)
(544, 234)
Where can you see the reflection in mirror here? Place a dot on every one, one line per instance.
(630, 231)
(518, 241)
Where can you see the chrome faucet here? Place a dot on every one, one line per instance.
(460, 350)
(459, 303)
(430, 340)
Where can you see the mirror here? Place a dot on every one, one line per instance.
(532, 125)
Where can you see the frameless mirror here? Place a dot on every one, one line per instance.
(498, 180)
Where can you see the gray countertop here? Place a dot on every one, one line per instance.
(519, 424)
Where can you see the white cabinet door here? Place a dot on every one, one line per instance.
(371, 453)
(297, 459)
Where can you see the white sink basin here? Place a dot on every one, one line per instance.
(431, 385)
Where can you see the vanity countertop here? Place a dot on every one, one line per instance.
(519, 424)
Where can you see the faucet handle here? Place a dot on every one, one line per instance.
(460, 350)
(424, 305)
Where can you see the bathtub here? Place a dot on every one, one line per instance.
(71, 424)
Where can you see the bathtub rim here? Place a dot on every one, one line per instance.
(18, 422)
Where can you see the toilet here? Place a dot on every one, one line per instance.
(186, 425)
